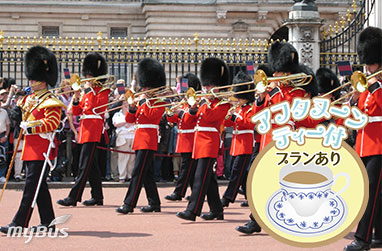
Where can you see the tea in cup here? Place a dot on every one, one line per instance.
(306, 188)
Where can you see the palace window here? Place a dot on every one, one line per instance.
(50, 31)
(118, 32)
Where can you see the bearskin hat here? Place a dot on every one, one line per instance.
(312, 86)
(150, 73)
(327, 81)
(266, 68)
(193, 81)
(94, 65)
(283, 57)
(215, 72)
(41, 65)
(369, 46)
(242, 77)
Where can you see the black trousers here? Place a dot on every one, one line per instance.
(88, 170)
(238, 173)
(378, 221)
(187, 174)
(143, 174)
(44, 201)
(205, 183)
(254, 154)
(373, 166)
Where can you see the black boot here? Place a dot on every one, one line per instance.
(92, 202)
(67, 202)
(173, 197)
(244, 204)
(213, 215)
(186, 215)
(376, 243)
(225, 202)
(124, 209)
(13, 226)
(357, 245)
(150, 208)
(249, 228)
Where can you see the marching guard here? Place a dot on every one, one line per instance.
(150, 75)
(210, 117)
(369, 139)
(243, 136)
(91, 129)
(41, 112)
(184, 143)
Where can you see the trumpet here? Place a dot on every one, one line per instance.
(129, 96)
(358, 81)
(76, 82)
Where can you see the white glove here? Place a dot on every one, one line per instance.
(24, 126)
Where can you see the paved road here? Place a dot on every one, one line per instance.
(101, 228)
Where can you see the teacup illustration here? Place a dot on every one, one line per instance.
(306, 188)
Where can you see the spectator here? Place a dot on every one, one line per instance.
(74, 124)
(9, 85)
(15, 119)
(113, 156)
(227, 146)
(4, 132)
(65, 156)
(176, 159)
(133, 84)
(161, 162)
(124, 142)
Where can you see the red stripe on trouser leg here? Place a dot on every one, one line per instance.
(202, 187)
(139, 179)
(239, 179)
(374, 204)
(187, 177)
(86, 173)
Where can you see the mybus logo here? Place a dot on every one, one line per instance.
(41, 231)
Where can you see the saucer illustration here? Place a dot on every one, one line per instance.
(330, 216)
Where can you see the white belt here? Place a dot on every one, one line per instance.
(205, 129)
(186, 131)
(236, 131)
(373, 119)
(91, 116)
(139, 126)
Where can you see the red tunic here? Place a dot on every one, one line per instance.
(275, 96)
(44, 118)
(147, 124)
(243, 131)
(186, 124)
(91, 124)
(210, 117)
(369, 139)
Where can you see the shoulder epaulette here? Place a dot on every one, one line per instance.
(159, 100)
(104, 88)
(296, 89)
(52, 101)
(222, 102)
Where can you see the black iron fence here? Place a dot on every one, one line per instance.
(178, 56)
(340, 39)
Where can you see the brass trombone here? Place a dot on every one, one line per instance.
(189, 97)
(261, 82)
(129, 96)
(76, 82)
(358, 81)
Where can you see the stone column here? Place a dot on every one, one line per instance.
(304, 32)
